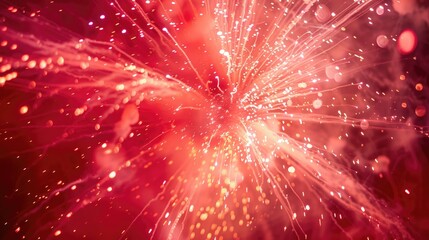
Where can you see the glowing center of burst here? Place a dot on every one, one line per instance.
(225, 112)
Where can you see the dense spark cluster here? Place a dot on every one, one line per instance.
(216, 119)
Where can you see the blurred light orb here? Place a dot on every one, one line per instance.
(382, 41)
(407, 41)
(323, 13)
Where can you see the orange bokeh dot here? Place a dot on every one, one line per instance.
(419, 87)
(420, 111)
(23, 110)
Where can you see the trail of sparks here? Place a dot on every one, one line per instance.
(197, 120)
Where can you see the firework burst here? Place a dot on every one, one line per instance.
(204, 120)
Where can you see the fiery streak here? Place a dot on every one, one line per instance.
(227, 120)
